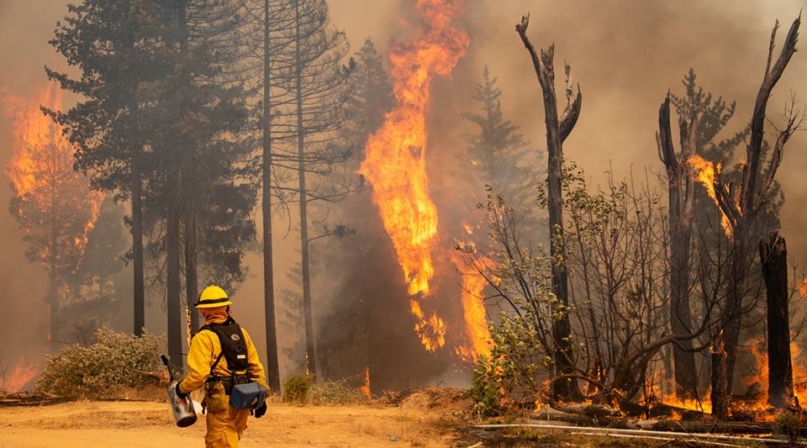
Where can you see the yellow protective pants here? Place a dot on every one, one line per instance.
(224, 428)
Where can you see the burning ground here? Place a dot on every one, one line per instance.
(392, 304)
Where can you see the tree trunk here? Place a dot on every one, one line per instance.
(773, 256)
(310, 347)
(272, 364)
(742, 211)
(137, 227)
(176, 184)
(173, 288)
(557, 129)
(191, 276)
(720, 393)
(733, 312)
(679, 181)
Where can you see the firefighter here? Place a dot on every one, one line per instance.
(220, 345)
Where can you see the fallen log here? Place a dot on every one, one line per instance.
(714, 427)
(650, 434)
(547, 413)
(30, 399)
(596, 411)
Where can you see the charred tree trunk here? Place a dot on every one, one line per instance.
(773, 256)
(734, 310)
(680, 183)
(742, 212)
(557, 129)
(272, 364)
(720, 393)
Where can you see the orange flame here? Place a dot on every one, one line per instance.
(42, 173)
(395, 162)
(707, 173)
(803, 288)
(365, 388)
(476, 321)
(18, 377)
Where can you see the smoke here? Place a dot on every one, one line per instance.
(625, 55)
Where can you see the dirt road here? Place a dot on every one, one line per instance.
(129, 424)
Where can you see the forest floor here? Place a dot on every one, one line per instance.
(434, 417)
(422, 419)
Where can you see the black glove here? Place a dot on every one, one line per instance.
(260, 410)
(179, 392)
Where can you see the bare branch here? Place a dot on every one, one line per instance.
(754, 151)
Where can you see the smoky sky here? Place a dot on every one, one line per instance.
(625, 55)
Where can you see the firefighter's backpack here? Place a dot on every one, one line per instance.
(243, 392)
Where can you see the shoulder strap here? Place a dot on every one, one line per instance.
(229, 348)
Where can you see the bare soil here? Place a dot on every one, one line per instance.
(422, 419)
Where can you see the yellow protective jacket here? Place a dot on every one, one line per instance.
(205, 348)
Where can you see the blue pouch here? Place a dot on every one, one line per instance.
(247, 396)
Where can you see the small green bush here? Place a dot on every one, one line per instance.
(789, 424)
(296, 388)
(340, 392)
(104, 369)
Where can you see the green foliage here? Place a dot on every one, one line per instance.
(511, 375)
(789, 424)
(486, 386)
(339, 392)
(296, 388)
(104, 369)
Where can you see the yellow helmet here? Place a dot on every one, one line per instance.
(212, 297)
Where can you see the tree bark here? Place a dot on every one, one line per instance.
(173, 287)
(310, 342)
(742, 212)
(137, 225)
(173, 283)
(557, 129)
(773, 256)
(272, 364)
(191, 274)
(720, 393)
(680, 183)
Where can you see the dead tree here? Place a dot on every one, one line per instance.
(773, 257)
(681, 194)
(743, 206)
(557, 129)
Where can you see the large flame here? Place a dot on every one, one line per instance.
(473, 306)
(20, 375)
(395, 162)
(707, 173)
(47, 187)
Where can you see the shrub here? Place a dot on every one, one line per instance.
(106, 368)
(296, 388)
(340, 392)
(513, 372)
(789, 424)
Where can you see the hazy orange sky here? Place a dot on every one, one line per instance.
(625, 54)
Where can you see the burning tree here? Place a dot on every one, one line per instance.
(742, 208)
(700, 119)
(395, 162)
(52, 202)
(558, 128)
